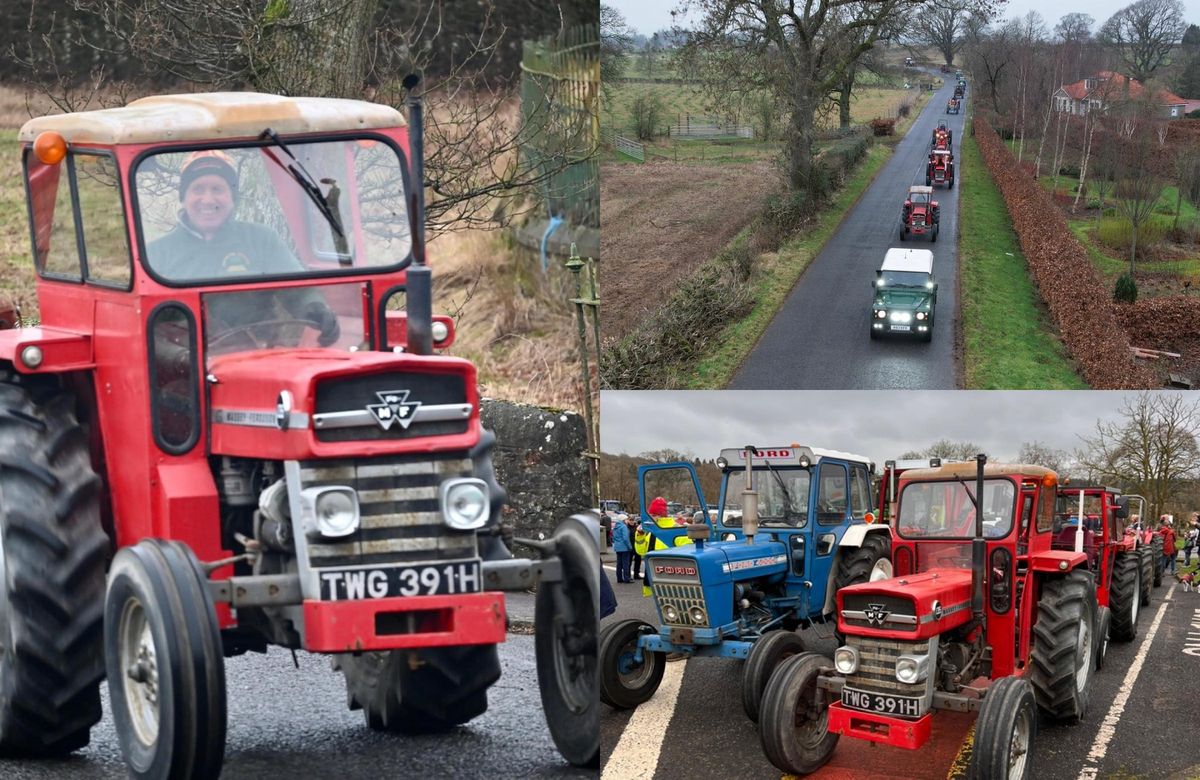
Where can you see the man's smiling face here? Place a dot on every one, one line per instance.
(208, 202)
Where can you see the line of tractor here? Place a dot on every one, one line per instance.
(972, 587)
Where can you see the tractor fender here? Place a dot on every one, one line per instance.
(61, 350)
(1054, 560)
(853, 538)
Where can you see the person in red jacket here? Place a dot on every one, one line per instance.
(1168, 535)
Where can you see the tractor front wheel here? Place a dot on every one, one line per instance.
(625, 683)
(1063, 656)
(1103, 630)
(765, 655)
(52, 557)
(566, 617)
(1004, 731)
(1124, 595)
(166, 668)
(793, 721)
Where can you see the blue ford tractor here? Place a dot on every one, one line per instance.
(766, 564)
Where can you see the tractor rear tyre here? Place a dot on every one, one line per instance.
(1004, 732)
(166, 667)
(1156, 548)
(1103, 631)
(1063, 657)
(420, 691)
(565, 628)
(1146, 564)
(624, 683)
(52, 557)
(933, 235)
(1124, 595)
(765, 655)
(793, 722)
(870, 562)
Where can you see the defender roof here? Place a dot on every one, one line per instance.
(212, 116)
(966, 470)
(915, 260)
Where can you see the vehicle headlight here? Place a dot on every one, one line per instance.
(697, 615)
(845, 660)
(670, 613)
(879, 283)
(901, 316)
(928, 285)
(464, 503)
(334, 509)
(912, 668)
(881, 314)
(920, 315)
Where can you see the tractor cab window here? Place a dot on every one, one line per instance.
(55, 249)
(860, 492)
(832, 499)
(1068, 527)
(102, 220)
(208, 216)
(944, 510)
(782, 497)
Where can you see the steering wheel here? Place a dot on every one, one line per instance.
(247, 330)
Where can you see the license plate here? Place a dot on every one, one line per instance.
(905, 328)
(905, 706)
(434, 579)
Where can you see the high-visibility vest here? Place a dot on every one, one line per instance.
(641, 543)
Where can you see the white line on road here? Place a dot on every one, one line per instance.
(635, 756)
(1108, 728)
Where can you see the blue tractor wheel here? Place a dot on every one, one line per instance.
(765, 655)
(624, 682)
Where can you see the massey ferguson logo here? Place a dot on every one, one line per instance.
(876, 614)
(394, 407)
(688, 571)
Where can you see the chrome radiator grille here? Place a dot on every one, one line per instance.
(401, 521)
(683, 598)
(877, 666)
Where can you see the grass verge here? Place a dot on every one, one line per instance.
(1008, 341)
(775, 277)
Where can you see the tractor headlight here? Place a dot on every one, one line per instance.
(670, 613)
(912, 668)
(464, 503)
(845, 660)
(330, 511)
(697, 615)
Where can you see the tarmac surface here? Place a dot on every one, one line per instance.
(290, 723)
(1142, 721)
(820, 338)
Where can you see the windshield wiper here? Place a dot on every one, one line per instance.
(309, 185)
(787, 497)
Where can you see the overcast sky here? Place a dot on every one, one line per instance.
(650, 16)
(878, 424)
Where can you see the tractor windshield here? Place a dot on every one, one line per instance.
(782, 496)
(209, 216)
(944, 510)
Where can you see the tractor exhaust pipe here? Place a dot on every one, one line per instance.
(750, 500)
(418, 280)
(978, 546)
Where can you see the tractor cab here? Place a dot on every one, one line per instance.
(905, 294)
(920, 214)
(940, 168)
(943, 136)
(952, 105)
(975, 572)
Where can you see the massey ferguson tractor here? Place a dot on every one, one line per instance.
(940, 168)
(943, 137)
(920, 214)
(234, 428)
(983, 615)
(1091, 519)
(801, 528)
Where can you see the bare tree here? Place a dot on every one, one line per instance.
(940, 27)
(616, 41)
(990, 54)
(1039, 454)
(1075, 32)
(1144, 33)
(945, 449)
(1138, 185)
(1151, 450)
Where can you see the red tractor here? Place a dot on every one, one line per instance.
(943, 137)
(983, 615)
(952, 105)
(920, 214)
(940, 168)
(233, 428)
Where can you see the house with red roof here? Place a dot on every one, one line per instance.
(1100, 91)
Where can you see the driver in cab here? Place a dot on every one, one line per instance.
(209, 243)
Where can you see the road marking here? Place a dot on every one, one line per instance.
(1108, 727)
(635, 756)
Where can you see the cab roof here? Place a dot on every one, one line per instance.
(915, 260)
(920, 189)
(793, 452)
(212, 116)
(966, 470)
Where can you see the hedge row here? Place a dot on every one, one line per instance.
(1079, 302)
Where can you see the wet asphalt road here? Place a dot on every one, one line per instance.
(821, 336)
(1153, 737)
(293, 724)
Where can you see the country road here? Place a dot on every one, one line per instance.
(820, 337)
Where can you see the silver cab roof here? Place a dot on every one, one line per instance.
(790, 455)
(212, 116)
(915, 260)
(920, 189)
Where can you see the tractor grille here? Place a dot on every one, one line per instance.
(874, 611)
(401, 520)
(877, 667)
(357, 393)
(683, 598)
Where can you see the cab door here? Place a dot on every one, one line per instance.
(673, 482)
